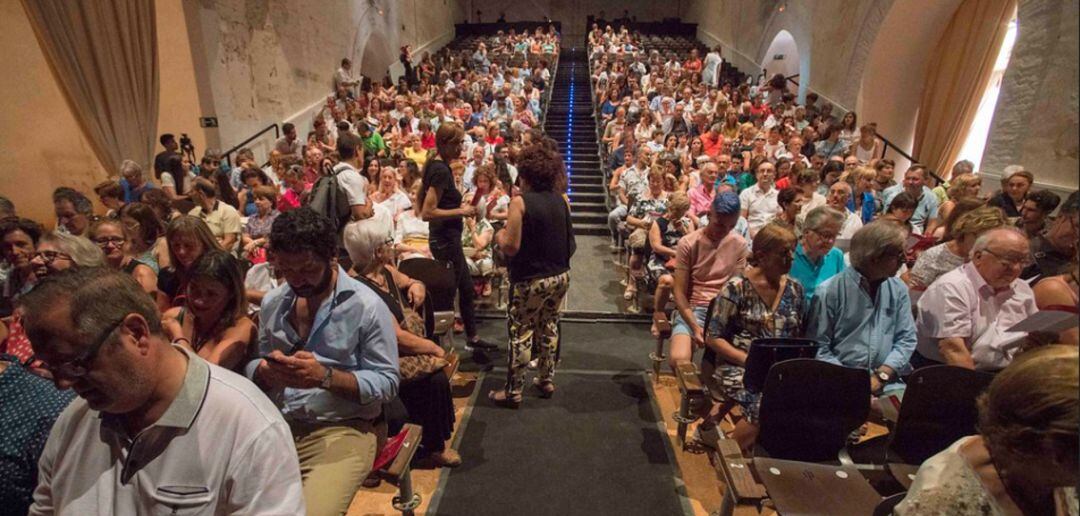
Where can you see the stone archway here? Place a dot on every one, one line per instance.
(782, 56)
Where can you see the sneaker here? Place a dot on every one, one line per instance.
(480, 345)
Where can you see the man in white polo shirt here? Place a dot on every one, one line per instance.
(351, 150)
(156, 429)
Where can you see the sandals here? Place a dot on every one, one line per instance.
(505, 399)
(546, 387)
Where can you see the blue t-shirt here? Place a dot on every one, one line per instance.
(813, 274)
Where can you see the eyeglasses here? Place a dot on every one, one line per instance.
(51, 256)
(1012, 261)
(79, 366)
(828, 237)
(104, 241)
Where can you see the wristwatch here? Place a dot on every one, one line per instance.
(883, 376)
(327, 378)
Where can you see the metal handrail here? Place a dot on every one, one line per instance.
(890, 145)
(792, 80)
(277, 134)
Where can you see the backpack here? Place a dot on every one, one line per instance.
(328, 199)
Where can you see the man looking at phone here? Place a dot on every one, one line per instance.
(328, 358)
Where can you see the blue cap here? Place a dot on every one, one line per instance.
(726, 203)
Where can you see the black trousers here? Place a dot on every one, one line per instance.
(452, 253)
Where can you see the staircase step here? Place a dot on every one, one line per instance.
(591, 229)
(589, 207)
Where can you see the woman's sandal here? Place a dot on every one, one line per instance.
(504, 399)
(546, 387)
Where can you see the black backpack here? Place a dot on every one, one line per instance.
(330, 200)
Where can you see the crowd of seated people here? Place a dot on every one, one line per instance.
(237, 263)
(805, 230)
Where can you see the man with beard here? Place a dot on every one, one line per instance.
(328, 357)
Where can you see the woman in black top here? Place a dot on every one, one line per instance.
(442, 209)
(538, 240)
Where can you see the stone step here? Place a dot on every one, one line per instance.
(591, 229)
(591, 207)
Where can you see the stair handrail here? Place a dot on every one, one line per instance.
(890, 145)
(227, 154)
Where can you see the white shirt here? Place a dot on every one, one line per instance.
(760, 206)
(961, 304)
(260, 277)
(852, 224)
(220, 448)
(396, 203)
(352, 182)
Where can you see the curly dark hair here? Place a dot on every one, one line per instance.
(540, 165)
(30, 227)
(302, 230)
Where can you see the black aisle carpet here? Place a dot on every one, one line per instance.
(594, 448)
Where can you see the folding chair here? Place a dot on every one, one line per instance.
(392, 465)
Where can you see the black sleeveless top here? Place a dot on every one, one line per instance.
(392, 298)
(547, 238)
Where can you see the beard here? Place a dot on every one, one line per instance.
(321, 286)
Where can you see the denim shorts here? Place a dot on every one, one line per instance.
(680, 327)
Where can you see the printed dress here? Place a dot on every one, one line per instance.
(740, 317)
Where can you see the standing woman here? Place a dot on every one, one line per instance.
(441, 207)
(538, 240)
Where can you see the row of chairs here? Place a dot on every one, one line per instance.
(809, 410)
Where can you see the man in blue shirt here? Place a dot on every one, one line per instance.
(816, 260)
(328, 359)
(133, 182)
(862, 317)
(924, 221)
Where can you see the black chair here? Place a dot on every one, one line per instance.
(938, 409)
(441, 284)
(886, 505)
(766, 352)
(809, 408)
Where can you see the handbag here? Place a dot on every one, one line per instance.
(417, 367)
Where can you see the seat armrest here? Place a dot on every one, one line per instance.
(404, 457)
(687, 375)
(444, 322)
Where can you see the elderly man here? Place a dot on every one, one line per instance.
(862, 316)
(133, 182)
(838, 198)
(964, 314)
(328, 357)
(704, 261)
(924, 221)
(156, 429)
(73, 211)
(701, 196)
(816, 260)
(759, 200)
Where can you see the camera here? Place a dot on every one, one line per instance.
(185, 143)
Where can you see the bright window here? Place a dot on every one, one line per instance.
(975, 142)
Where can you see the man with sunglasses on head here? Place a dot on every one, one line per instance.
(964, 314)
(328, 358)
(156, 429)
(861, 317)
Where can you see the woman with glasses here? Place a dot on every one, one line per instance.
(56, 252)
(213, 322)
(111, 237)
(816, 258)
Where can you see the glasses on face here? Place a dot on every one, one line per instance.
(105, 241)
(1022, 262)
(51, 256)
(828, 237)
(79, 366)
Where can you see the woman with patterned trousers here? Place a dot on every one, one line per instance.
(538, 241)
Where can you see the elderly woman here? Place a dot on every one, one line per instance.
(816, 260)
(213, 322)
(426, 395)
(1015, 184)
(963, 186)
(764, 302)
(948, 255)
(257, 230)
(538, 240)
(388, 192)
(664, 237)
(56, 252)
(111, 236)
(864, 200)
(188, 239)
(1024, 458)
(651, 205)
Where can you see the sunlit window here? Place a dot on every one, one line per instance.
(975, 142)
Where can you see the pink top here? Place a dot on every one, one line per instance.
(961, 304)
(700, 200)
(710, 263)
(290, 200)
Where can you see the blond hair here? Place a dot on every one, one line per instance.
(678, 202)
(772, 239)
(977, 222)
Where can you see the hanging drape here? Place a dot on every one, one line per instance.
(956, 78)
(103, 55)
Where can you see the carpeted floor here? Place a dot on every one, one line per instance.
(586, 345)
(594, 448)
